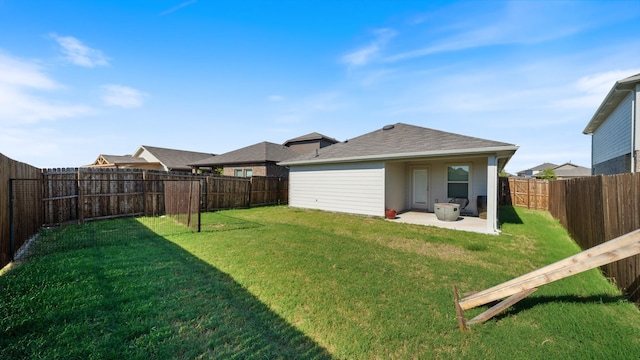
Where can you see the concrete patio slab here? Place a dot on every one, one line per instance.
(464, 223)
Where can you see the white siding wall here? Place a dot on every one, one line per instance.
(349, 188)
(613, 138)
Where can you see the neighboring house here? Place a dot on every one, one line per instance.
(259, 159)
(529, 173)
(614, 130)
(564, 171)
(309, 143)
(152, 158)
(123, 162)
(402, 167)
(570, 171)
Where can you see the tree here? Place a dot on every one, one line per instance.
(547, 174)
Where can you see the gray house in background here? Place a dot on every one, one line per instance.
(565, 171)
(261, 159)
(614, 130)
(401, 167)
(255, 160)
(531, 173)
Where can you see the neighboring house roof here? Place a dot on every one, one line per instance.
(172, 159)
(121, 161)
(257, 153)
(118, 160)
(401, 141)
(311, 137)
(566, 170)
(611, 101)
(543, 167)
(538, 168)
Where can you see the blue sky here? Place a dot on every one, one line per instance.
(83, 78)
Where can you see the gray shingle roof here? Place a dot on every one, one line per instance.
(257, 153)
(176, 159)
(122, 159)
(543, 167)
(309, 137)
(401, 141)
(567, 170)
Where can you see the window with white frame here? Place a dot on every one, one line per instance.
(248, 172)
(238, 172)
(458, 181)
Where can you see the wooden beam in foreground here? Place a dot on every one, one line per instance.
(500, 307)
(517, 289)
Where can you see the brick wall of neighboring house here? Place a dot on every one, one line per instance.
(269, 169)
(275, 170)
(617, 165)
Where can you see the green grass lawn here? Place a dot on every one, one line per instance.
(276, 282)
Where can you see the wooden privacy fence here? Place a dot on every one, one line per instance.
(58, 196)
(524, 192)
(597, 209)
(89, 194)
(10, 169)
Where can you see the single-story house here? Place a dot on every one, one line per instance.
(567, 170)
(152, 158)
(255, 160)
(615, 131)
(401, 167)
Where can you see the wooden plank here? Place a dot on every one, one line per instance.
(572, 260)
(616, 249)
(462, 322)
(501, 306)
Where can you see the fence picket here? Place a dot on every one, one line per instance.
(597, 209)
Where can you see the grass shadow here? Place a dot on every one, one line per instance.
(137, 297)
(533, 301)
(217, 221)
(508, 215)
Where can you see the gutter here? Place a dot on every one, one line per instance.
(401, 156)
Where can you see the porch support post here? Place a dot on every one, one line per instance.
(492, 194)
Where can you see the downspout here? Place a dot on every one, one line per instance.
(634, 135)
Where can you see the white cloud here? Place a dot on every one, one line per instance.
(275, 98)
(178, 7)
(19, 105)
(517, 22)
(600, 83)
(23, 74)
(366, 54)
(592, 89)
(309, 108)
(122, 96)
(79, 54)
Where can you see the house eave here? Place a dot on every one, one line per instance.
(616, 95)
(499, 150)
